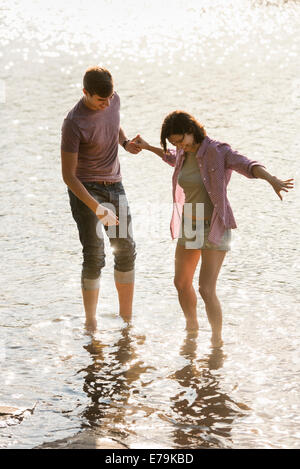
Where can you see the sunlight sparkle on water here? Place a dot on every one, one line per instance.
(139, 29)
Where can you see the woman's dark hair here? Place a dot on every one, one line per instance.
(179, 123)
(98, 80)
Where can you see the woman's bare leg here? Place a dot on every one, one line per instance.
(210, 267)
(186, 261)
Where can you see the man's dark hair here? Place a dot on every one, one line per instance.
(179, 123)
(98, 80)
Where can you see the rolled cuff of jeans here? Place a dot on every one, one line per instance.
(124, 277)
(90, 283)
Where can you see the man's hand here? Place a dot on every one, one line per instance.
(132, 147)
(106, 216)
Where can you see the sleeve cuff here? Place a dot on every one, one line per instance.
(251, 165)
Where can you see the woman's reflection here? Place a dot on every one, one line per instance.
(202, 413)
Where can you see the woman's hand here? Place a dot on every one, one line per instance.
(279, 185)
(260, 172)
(142, 144)
(106, 216)
(132, 147)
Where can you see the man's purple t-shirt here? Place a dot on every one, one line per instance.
(94, 135)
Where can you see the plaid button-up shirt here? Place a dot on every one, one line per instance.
(216, 162)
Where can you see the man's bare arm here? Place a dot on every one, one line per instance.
(130, 146)
(122, 136)
(68, 166)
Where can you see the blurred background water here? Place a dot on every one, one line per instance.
(235, 66)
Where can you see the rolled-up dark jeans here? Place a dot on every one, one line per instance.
(91, 234)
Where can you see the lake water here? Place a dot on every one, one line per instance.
(235, 66)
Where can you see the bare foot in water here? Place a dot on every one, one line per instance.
(91, 326)
(216, 341)
(191, 324)
(192, 333)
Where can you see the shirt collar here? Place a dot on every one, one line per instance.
(200, 152)
(203, 147)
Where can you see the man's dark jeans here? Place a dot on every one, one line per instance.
(91, 232)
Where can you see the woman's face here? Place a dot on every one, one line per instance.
(184, 142)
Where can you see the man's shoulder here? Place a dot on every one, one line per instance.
(75, 113)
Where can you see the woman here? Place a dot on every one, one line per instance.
(203, 169)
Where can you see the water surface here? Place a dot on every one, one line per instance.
(234, 67)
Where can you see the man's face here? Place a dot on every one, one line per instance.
(96, 102)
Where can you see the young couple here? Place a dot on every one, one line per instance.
(91, 134)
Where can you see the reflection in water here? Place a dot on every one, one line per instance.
(204, 414)
(200, 414)
(109, 383)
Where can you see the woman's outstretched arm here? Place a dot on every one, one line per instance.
(169, 157)
(250, 169)
(277, 184)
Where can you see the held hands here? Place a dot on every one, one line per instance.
(140, 143)
(143, 145)
(132, 146)
(279, 185)
(106, 216)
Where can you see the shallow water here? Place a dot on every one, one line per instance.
(236, 69)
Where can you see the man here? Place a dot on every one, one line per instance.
(91, 134)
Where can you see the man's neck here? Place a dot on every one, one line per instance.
(86, 103)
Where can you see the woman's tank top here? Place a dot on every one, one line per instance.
(191, 182)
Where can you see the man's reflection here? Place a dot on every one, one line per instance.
(108, 382)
